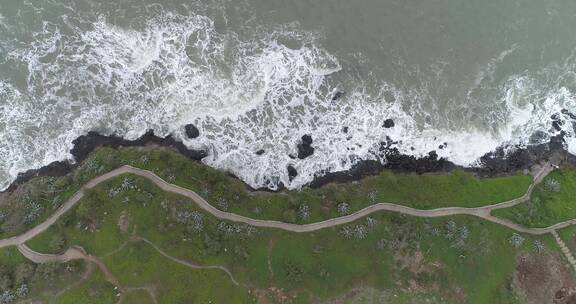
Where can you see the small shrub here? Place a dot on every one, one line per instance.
(22, 291)
(456, 235)
(346, 232)
(222, 204)
(373, 197)
(360, 232)
(7, 297)
(516, 240)
(304, 212)
(343, 208)
(371, 222)
(552, 185)
(33, 211)
(539, 246)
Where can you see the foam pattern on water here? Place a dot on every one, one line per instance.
(243, 95)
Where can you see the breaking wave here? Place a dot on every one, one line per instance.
(248, 94)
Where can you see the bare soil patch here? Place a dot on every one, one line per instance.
(123, 221)
(544, 278)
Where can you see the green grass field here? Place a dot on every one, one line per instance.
(547, 206)
(95, 290)
(445, 257)
(388, 256)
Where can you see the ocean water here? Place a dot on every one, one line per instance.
(259, 74)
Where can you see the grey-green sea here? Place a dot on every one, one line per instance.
(459, 77)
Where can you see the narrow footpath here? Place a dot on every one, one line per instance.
(483, 212)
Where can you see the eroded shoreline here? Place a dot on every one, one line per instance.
(496, 163)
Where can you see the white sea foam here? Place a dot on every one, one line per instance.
(243, 95)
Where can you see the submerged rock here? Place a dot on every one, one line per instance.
(260, 152)
(191, 131)
(389, 97)
(338, 95)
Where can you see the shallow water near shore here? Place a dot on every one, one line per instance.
(457, 77)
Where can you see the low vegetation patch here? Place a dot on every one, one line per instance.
(21, 279)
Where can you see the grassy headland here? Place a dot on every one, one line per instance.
(395, 258)
(34, 201)
(443, 258)
(552, 201)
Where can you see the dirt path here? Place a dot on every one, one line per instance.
(73, 253)
(269, 257)
(188, 264)
(85, 276)
(482, 212)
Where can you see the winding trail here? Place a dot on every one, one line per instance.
(72, 253)
(188, 264)
(483, 212)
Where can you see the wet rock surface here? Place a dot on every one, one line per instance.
(191, 131)
(495, 163)
(388, 123)
(305, 148)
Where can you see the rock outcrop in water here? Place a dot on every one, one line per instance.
(191, 131)
(85, 144)
(305, 148)
(292, 173)
(494, 163)
(388, 123)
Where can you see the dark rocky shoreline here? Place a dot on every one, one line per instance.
(85, 144)
(495, 163)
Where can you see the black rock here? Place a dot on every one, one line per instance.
(388, 123)
(260, 152)
(292, 173)
(304, 148)
(557, 125)
(396, 160)
(387, 144)
(345, 129)
(85, 144)
(338, 95)
(191, 131)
